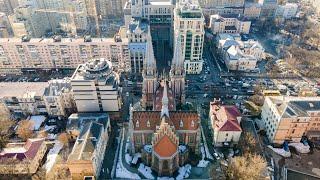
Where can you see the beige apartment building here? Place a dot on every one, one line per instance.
(57, 52)
(231, 24)
(290, 118)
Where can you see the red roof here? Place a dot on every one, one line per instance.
(158, 99)
(31, 146)
(189, 119)
(226, 117)
(165, 147)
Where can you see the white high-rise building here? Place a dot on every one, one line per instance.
(189, 26)
(95, 87)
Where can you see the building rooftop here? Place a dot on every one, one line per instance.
(77, 120)
(96, 69)
(165, 147)
(138, 25)
(22, 89)
(57, 86)
(86, 142)
(62, 41)
(296, 106)
(189, 9)
(22, 151)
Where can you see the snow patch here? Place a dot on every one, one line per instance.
(280, 151)
(184, 172)
(135, 158)
(128, 158)
(203, 163)
(37, 121)
(146, 171)
(122, 172)
(182, 148)
(300, 147)
(148, 148)
(52, 155)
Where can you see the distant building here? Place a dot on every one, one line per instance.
(23, 98)
(95, 87)
(237, 54)
(222, 7)
(58, 98)
(51, 53)
(5, 27)
(225, 121)
(138, 31)
(316, 5)
(268, 8)
(189, 26)
(91, 133)
(290, 118)
(232, 24)
(287, 11)
(252, 10)
(22, 158)
(7, 6)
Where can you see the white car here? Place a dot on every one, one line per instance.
(127, 94)
(216, 156)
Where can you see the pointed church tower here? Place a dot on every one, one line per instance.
(149, 75)
(177, 73)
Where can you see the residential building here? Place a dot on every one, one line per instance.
(189, 27)
(7, 6)
(268, 8)
(252, 10)
(237, 54)
(95, 87)
(222, 7)
(23, 98)
(225, 122)
(291, 118)
(91, 133)
(22, 158)
(287, 11)
(5, 27)
(113, 8)
(232, 24)
(316, 5)
(138, 31)
(236, 59)
(52, 53)
(164, 137)
(58, 98)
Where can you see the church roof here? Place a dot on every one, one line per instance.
(181, 120)
(165, 147)
(158, 99)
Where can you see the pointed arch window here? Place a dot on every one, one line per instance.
(181, 123)
(148, 123)
(137, 124)
(192, 123)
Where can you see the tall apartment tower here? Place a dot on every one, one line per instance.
(177, 73)
(189, 26)
(149, 76)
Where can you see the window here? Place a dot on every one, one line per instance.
(148, 123)
(227, 134)
(181, 123)
(137, 124)
(192, 123)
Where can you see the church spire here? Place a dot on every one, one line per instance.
(177, 65)
(165, 101)
(150, 60)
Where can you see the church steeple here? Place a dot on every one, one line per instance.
(177, 65)
(165, 101)
(177, 73)
(150, 59)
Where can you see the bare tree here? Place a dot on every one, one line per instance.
(25, 129)
(248, 143)
(247, 167)
(64, 139)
